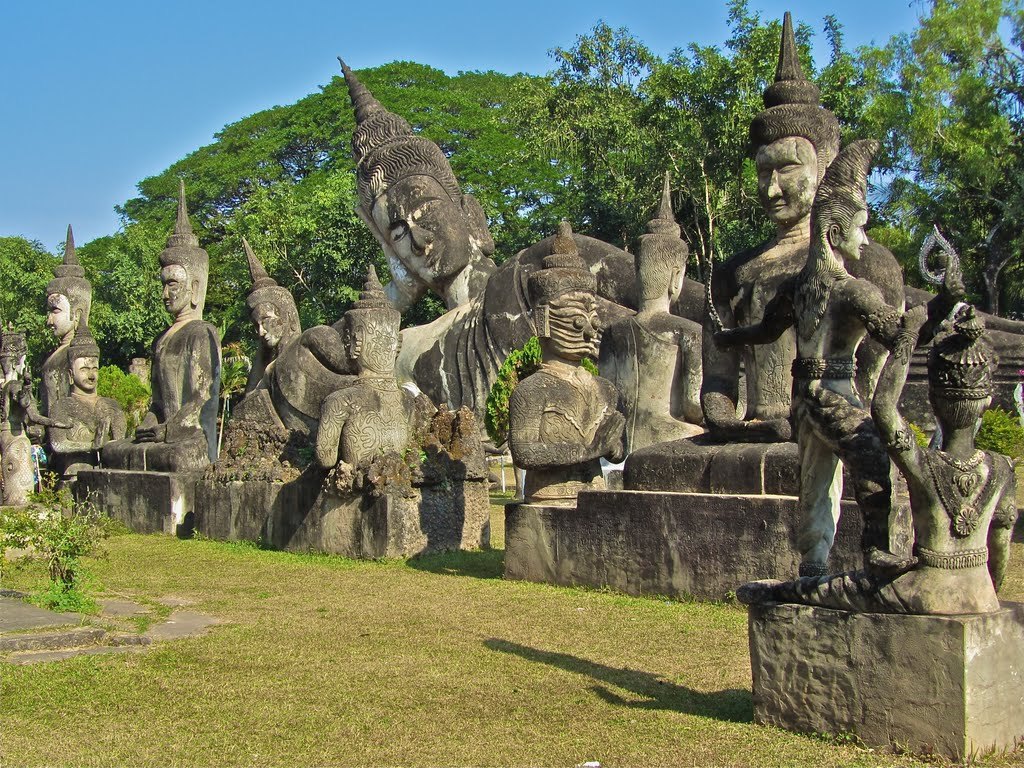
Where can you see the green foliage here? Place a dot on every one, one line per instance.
(518, 365)
(589, 365)
(1001, 432)
(130, 393)
(234, 370)
(919, 436)
(59, 533)
(25, 269)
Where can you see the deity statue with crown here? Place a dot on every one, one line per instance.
(68, 300)
(179, 432)
(653, 357)
(18, 412)
(563, 419)
(83, 421)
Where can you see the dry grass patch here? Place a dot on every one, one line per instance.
(434, 662)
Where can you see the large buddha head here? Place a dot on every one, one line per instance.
(271, 307)
(794, 139)
(68, 295)
(185, 267)
(562, 295)
(409, 197)
(370, 330)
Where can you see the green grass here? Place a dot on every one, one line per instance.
(433, 662)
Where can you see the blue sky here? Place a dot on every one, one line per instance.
(99, 95)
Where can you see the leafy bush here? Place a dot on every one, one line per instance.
(58, 533)
(919, 435)
(517, 366)
(1001, 432)
(130, 393)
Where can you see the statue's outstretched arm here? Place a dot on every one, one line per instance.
(778, 316)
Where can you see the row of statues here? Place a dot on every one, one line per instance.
(812, 318)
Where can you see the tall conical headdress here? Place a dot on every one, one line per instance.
(661, 249)
(83, 344)
(69, 280)
(564, 270)
(846, 180)
(12, 342)
(373, 303)
(183, 249)
(265, 289)
(793, 107)
(385, 149)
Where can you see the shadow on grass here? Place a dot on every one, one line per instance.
(733, 705)
(479, 564)
(1018, 530)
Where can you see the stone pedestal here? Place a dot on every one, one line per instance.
(304, 516)
(146, 502)
(947, 684)
(677, 544)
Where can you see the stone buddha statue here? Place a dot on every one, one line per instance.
(83, 422)
(274, 314)
(374, 415)
(963, 500)
(68, 300)
(180, 430)
(17, 413)
(294, 370)
(436, 239)
(653, 357)
(562, 418)
(795, 139)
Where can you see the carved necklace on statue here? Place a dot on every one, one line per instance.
(959, 487)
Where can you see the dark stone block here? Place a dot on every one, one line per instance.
(945, 684)
(676, 544)
(146, 502)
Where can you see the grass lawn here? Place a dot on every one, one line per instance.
(431, 662)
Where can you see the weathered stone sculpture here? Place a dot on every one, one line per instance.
(563, 419)
(795, 140)
(654, 358)
(68, 300)
(17, 413)
(963, 500)
(373, 416)
(274, 314)
(832, 312)
(180, 430)
(84, 421)
(436, 239)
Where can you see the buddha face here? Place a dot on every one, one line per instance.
(178, 289)
(269, 325)
(59, 317)
(418, 224)
(787, 178)
(372, 343)
(85, 373)
(849, 240)
(573, 326)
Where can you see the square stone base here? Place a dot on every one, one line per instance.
(303, 516)
(677, 544)
(947, 684)
(146, 502)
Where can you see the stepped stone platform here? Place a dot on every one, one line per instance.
(146, 502)
(952, 685)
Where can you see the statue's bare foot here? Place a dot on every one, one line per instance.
(757, 592)
(886, 564)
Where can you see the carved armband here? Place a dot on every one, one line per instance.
(884, 324)
(1005, 515)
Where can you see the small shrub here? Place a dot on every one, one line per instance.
(517, 366)
(130, 393)
(1001, 432)
(919, 435)
(57, 533)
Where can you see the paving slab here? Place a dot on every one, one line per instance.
(110, 607)
(37, 657)
(55, 639)
(17, 615)
(181, 624)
